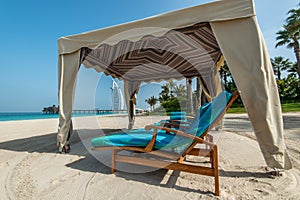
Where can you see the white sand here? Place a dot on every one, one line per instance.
(31, 168)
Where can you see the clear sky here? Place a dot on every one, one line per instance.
(30, 29)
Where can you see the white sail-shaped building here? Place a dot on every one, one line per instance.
(116, 96)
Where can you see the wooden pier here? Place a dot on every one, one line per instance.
(98, 111)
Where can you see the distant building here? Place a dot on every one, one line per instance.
(116, 96)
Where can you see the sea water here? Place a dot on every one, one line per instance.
(14, 116)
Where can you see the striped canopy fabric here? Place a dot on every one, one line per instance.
(180, 53)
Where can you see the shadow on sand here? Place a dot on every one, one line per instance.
(242, 123)
(47, 144)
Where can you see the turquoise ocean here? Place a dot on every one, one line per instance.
(15, 116)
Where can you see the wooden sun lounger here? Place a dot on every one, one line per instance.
(172, 160)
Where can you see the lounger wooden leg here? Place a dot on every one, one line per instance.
(215, 165)
(113, 162)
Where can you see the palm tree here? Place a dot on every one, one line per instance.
(179, 90)
(293, 68)
(279, 64)
(290, 34)
(171, 85)
(151, 101)
(225, 74)
(164, 95)
(294, 18)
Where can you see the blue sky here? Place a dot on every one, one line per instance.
(30, 29)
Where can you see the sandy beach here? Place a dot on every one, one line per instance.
(31, 167)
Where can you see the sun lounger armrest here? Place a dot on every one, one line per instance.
(190, 118)
(175, 125)
(178, 132)
(178, 121)
(150, 145)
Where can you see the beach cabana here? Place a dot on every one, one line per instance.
(187, 43)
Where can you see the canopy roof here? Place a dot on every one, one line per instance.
(186, 43)
(186, 52)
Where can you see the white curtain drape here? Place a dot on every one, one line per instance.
(250, 65)
(131, 89)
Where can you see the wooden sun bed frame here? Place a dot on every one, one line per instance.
(175, 161)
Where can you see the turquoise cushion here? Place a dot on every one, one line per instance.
(176, 115)
(212, 112)
(141, 139)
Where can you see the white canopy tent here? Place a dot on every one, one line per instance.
(187, 43)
